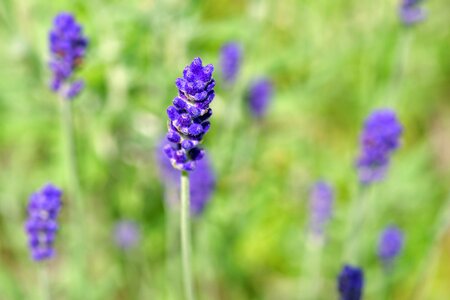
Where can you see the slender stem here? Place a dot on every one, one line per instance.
(44, 281)
(76, 214)
(185, 237)
(387, 280)
(357, 215)
(71, 157)
(310, 281)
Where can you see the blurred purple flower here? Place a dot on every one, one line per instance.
(350, 283)
(41, 226)
(410, 12)
(126, 234)
(259, 97)
(380, 137)
(230, 61)
(189, 114)
(321, 205)
(390, 244)
(67, 48)
(202, 181)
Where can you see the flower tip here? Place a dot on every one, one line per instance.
(208, 69)
(197, 62)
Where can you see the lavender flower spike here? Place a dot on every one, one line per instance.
(259, 96)
(321, 205)
(350, 283)
(126, 234)
(230, 61)
(67, 49)
(202, 181)
(41, 226)
(390, 244)
(189, 114)
(410, 12)
(380, 137)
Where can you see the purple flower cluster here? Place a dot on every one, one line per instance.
(230, 61)
(259, 96)
(126, 234)
(41, 226)
(67, 48)
(189, 114)
(202, 180)
(410, 12)
(390, 244)
(321, 204)
(380, 137)
(350, 283)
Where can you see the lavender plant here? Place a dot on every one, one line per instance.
(390, 244)
(67, 46)
(350, 283)
(189, 114)
(320, 206)
(42, 226)
(410, 12)
(379, 139)
(259, 97)
(230, 61)
(188, 123)
(321, 199)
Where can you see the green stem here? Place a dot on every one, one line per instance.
(76, 214)
(185, 237)
(310, 281)
(387, 280)
(44, 281)
(71, 155)
(356, 221)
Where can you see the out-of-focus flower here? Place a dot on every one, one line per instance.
(230, 61)
(321, 205)
(390, 244)
(126, 234)
(41, 226)
(380, 137)
(350, 283)
(189, 114)
(202, 181)
(259, 97)
(67, 48)
(410, 12)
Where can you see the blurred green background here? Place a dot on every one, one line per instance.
(331, 62)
